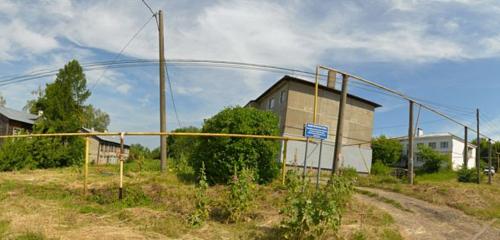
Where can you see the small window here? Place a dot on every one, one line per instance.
(282, 96)
(432, 145)
(271, 103)
(443, 145)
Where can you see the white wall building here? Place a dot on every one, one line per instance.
(445, 143)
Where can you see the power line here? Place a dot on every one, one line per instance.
(122, 50)
(169, 80)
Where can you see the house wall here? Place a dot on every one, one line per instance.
(102, 152)
(455, 148)
(280, 103)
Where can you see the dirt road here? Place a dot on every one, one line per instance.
(418, 219)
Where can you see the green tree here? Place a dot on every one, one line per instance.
(95, 118)
(223, 156)
(181, 146)
(386, 150)
(433, 160)
(138, 151)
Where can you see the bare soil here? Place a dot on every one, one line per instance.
(423, 220)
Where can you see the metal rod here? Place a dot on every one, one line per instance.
(283, 164)
(340, 125)
(478, 151)
(489, 161)
(86, 166)
(305, 160)
(410, 144)
(316, 87)
(319, 163)
(466, 148)
(120, 192)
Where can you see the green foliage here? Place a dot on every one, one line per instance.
(138, 151)
(468, 175)
(378, 168)
(310, 213)
(14, 154)
(433, 161)
(95, 118)
(201, 212)
(182, 146)
(221, 155)
(241, 191)
(386, 150)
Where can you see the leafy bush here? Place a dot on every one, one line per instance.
(310, 213)
(433, 161)
(201, 212)
(221, 155)
(182, 146)
(241, 190)
(386, 150)
(378, 168)
(467, 175)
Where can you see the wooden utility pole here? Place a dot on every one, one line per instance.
(466, 147)
(478, 149)
(489, 161)
(340, 125)
(410, 144)
(163, 115)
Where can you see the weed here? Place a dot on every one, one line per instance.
(201, 213)
(241, 190)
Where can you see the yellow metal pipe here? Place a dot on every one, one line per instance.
(316, 87)
(122, 140)
(86, 166)
(283, 164)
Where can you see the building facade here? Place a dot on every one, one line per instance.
(14, 121)
(444, 143)
(292, 99)
(105, 149)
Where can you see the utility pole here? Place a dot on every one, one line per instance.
(489, 161)
(340, 125)
(163, 115)
(410, 145)
(466, 147)
(478, 149)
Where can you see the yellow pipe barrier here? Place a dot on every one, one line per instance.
(283, 164)
(86, 166)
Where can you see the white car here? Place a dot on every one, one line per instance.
(489, 170)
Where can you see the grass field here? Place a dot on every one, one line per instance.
(49, 204)
(482, 201)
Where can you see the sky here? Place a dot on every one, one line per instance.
(443, 52)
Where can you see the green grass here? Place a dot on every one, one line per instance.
(445, 176)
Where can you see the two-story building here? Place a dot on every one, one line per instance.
(292, 99)
(444, 143)
(105, 149)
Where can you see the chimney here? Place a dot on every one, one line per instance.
(332, 76)
(40, 113)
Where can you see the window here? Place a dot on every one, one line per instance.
(432, 145)
(271, 103)
(282, 96)
(443, 145)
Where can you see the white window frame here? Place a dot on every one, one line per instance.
(270, 104)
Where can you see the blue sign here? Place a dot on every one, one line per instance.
(316, 131)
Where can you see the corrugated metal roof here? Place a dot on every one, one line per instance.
(19, 116)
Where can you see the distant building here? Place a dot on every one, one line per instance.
(14, 121)
(445, 143)
(292, 99)
(105, 149)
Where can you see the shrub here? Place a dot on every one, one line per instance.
(385, 150)
(468, 175)
(310, 213)
(378, 168)
(221, 155)
(182, 146)
(241, 190)
(201, 212)
(433, 161)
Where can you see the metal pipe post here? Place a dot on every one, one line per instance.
(478, 151)
(86, 166)
(466, 148)
(283, 164)
(489, 161)
(319, 163)
(410, 145)
(305, 160)
(340, 125)
(120, 192)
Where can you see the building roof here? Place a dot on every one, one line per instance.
(19, 116)
(109, 139)
(288, 78)
(435, 135)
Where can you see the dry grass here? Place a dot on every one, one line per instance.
(48, 204)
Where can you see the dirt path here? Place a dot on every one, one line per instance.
(418, 219)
